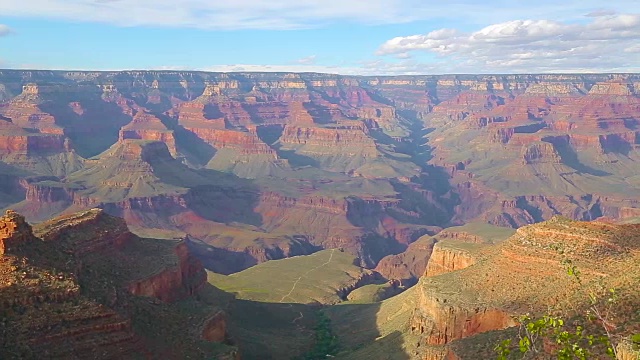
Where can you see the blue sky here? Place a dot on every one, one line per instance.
(348, 37)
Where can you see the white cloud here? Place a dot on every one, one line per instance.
(603, 43)
(309, 60)
(403, 55)
(600, 12)
(294, 14)
(4, 30)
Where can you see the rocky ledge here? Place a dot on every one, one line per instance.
(82, 285)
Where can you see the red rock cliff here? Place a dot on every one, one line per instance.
(345, 137)
(24, 111)
(247, 142)
(145, 126)
(173, 283)
(446, 259)
(14, 231)
(441, 320)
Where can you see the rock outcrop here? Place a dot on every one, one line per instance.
(173, 283)
(40, 276)
(540, 152)
(145, 126)
(14, 231)
(214, 328)
(440, 322)
(343, 136)
(78, 291)
(515, 277)
(408, 266)
(14, 140)
(24, 111)
(446, 258)
(113, 233)
(245, 142)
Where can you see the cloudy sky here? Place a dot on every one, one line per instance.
(379, 37)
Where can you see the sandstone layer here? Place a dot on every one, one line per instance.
(407, 152)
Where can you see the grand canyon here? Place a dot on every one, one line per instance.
(183, 214)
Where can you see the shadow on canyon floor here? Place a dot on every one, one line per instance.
(225, 261)
(268, 331)
(82, 127)
(225, 205)
(570, 158)
(197, 150)
(365, 332)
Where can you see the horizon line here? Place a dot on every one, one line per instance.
(319, 73)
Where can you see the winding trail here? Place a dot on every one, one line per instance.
(298, 318)
(307, 273)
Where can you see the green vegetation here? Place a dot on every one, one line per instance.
(316, 278)
(377, 330)
(326, 343)
(589, 334)
(373, 293)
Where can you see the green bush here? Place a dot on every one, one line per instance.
(326, 342)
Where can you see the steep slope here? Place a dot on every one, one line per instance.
(457, 312)
(431, 252)
(87, 287)
(145, 126)
(10, 189)
(31, 139)
(373, 331)
(345, 147)
(243, 153)
(558, 148)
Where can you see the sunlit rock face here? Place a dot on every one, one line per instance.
(363, 163)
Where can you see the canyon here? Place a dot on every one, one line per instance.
(416, 182)
(119, 294)
(322, 161)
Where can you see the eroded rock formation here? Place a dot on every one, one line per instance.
(79, 287)
(445, 259)
(515, 276)
(14, 231)
(419, 150)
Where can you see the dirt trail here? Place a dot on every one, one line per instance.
(307, 273)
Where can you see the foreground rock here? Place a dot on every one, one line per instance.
(462, 313)
(83, 286)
